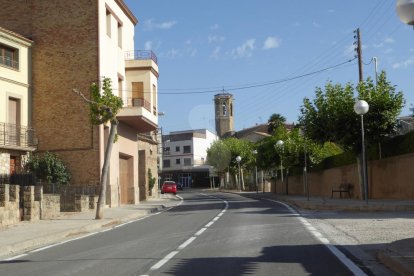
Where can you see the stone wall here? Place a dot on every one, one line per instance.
(9, 204)
(4, 163)
(50, 206)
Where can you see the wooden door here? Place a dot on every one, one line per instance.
(123, 180)
(13, 164)
(137, 93)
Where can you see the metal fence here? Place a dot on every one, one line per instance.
(21, 179)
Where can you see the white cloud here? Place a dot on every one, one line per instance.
(192, 51)
(389, 40)
(271, 42)
(244, 50)
(150, 25)
(170, 54)
(316, 25)
(215, 38)
(403, 64)
(214, 27)
(148, 45)
(215, 54)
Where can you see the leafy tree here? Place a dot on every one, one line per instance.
(274, 122)
(103, 109)
(331, 117)
(48, 167)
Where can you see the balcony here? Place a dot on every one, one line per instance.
(141, 55)
(17, 137)
(137, 114)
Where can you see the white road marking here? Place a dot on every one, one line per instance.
(164, 260)
(347, 262)
(200, 231)
(15, 257)
(186, 243)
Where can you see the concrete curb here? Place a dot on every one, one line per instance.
(399, 256)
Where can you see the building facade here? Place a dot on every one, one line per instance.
(77, 43)
(185, 155)
(17, 137)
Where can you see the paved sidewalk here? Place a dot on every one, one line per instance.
(26, 236)
(398, 255)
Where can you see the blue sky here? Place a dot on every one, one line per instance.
(206, 46)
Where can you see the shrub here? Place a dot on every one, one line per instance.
(48, 167)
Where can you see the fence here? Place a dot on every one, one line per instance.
(21, 179)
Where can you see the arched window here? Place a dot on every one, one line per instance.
(224, 109)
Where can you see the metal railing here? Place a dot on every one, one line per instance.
(141, 55)
(138, 102)
(17, 136)
(9, 62)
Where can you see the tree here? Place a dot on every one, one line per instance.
(103, 109)
(330, 117)
(274, 122)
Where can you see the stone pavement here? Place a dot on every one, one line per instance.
(26, 236)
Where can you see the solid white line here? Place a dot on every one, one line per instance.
(164, 261)
(186, 243)
(347, 262)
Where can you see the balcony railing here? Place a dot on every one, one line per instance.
(138, 102)
(9, 62)
(141, 55)
(17, 136)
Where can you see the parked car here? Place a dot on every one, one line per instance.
(169, 187)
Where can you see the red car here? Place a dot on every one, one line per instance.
(169, 187)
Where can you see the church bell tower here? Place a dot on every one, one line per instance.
(223, 106)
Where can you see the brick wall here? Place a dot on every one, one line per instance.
(64, 56)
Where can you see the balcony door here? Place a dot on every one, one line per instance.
(13, 127)
(137, 93)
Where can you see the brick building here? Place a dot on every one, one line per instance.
(76, 43)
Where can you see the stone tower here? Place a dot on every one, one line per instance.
(223, 106)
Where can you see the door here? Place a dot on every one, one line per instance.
(13, 162)
(13, 128)
(137, 94)
(123, 180)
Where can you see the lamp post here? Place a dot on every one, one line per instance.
(238, 159)
(305, 171)
(405, 10)
(361, 107)
(255, 170)
(279, 144)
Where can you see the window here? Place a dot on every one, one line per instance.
(119, 35)
(178, 161)
(108, 23)
(187, 149)
(120, 87)
(224, 109)
(166, 163)
(177, 149)
(167, 150)
(9, 56)
(187, 161)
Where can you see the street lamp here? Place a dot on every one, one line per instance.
(238, 159)
(361, 107)
(305, 173)
(255, 170)
(279, 144)
(405, 10)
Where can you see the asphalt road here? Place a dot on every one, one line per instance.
(208, 234)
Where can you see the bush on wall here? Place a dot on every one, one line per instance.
(48, 167)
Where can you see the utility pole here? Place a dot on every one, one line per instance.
(358, 49)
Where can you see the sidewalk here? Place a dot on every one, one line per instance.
(398, 255)
(26, 236)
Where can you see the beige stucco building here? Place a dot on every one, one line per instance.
(17, 138)
(77, 43)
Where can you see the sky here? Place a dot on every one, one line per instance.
(270, 54)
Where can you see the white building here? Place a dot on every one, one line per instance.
(184, 157)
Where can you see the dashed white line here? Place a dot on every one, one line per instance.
(201, 231)
(186, 243)
(164, 260)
